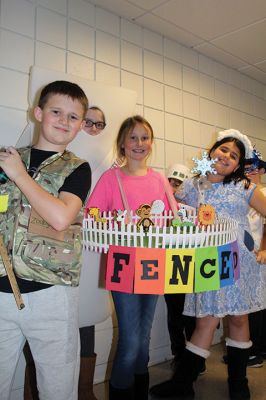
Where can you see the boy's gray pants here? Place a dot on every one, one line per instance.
(49, 322)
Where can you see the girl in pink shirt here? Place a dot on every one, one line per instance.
(135, 312)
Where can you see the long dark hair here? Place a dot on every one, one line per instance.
(239, 174)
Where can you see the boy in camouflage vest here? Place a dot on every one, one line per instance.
(42, 232)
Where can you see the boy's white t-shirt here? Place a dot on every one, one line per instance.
(256, 222)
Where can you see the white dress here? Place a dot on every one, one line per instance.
(248, 294)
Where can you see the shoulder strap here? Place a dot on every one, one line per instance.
(123, 194)
(170, 196)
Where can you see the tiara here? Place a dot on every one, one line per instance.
(240, 136)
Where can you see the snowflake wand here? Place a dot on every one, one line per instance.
(203, 167)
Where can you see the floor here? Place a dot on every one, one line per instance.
(211, 385)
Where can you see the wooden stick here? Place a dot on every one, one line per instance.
(11, 275)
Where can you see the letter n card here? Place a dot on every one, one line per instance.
(179, 276)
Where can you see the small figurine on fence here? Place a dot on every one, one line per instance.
(144, 212)
(95, 213)
(206, 214)
(120, 216)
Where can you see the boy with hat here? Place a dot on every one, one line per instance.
(180, 326)
(255, 168)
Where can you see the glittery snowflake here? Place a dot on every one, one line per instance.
(204, 165)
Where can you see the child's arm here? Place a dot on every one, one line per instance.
(58, 212)
(258, 201)
(261, 254)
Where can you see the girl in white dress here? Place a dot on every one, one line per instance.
(231, 194)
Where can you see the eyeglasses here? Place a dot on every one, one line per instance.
(98, 124)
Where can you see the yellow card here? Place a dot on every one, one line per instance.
(3, 202)
(179, 274)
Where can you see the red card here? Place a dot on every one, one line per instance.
(120, 268)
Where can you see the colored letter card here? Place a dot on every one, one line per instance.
(226, 265)
(120, 268)
(206, 269)
(179, 274)
(149, 271)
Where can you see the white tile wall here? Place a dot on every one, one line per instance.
(47, 56)
(206, 65)
(189, 152)
(207, 84)
(107, 74)
(80, 66)
(258, 89)
(16, 120)
(14, 47)
(221, 72)
(153, 94)
(207, 135)
(190, 58)
(249, 103)
(173, 153)
(191, 105)
(190, 80)
(173, 128)
(185, 95)
(157, 158)
(173, 100)
(17, 97)
(55, 5)
(221, 92)
(236, 119)
(131, 58)
(259, 107)
(236, 99)
(51, 28)
(18, 16)
(172, 73)
(156, 119)
(131, 32)
(152, 41)
(172, 50)
(208, 112)
(107, 22)
(235, 79)
(153, 66)
(107, 48)
(192, 132)
(134, 82)
(76, 31)
(82, 11)
(222, 116)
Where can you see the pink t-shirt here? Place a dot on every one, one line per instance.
(138, 189)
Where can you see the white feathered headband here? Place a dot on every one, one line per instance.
(238, 135)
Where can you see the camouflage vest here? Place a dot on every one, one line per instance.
(39, 252)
